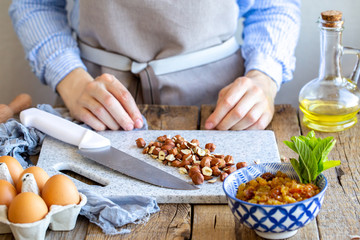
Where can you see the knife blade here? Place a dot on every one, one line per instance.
(98, 148)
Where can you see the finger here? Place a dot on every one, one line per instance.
(227, 102)
(239, 112)
(88, 118)
(98, 110)
(250, 118)
(113, 108)
(121, 93)
(262, 123)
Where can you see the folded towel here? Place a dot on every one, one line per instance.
(112, 212)
(107, 212)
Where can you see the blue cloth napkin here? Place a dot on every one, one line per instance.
(112, 212)
(107, 212)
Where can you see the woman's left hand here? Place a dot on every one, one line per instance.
(247, 103)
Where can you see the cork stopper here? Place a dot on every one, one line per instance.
(331, 18)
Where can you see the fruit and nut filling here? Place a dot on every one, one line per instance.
(275, 189)
(201, 164)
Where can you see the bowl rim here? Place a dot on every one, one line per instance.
(267, 205)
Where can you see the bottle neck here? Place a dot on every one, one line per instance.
(330, 53)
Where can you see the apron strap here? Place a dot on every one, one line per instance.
(150, 86)
(160, 66)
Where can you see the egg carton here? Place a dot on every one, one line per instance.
(59, 218)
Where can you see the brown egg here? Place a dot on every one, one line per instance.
(40, 176)
(7, 193)
(60, 190)
(27, 207)
(14, 167)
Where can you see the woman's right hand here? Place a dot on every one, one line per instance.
(101, 103)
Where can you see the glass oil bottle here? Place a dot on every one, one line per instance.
(330, 103)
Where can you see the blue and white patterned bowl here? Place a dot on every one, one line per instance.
(272, 221)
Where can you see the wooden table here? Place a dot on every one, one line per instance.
(339, 217)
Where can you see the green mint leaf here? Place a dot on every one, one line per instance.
(311, 134)
(296, 165)
(313, 155)
(291, 145)
(327, 150)
(308, 159)
(319, 150)
(330, 164)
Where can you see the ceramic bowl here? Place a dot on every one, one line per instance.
(272, 221)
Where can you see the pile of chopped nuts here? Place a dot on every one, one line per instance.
(201, 164)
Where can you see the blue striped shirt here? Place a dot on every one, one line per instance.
(270, 34)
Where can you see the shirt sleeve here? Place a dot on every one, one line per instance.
(45, 34)
(270, 34)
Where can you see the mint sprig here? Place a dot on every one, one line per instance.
(313, 156)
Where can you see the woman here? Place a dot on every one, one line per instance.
(161, 52)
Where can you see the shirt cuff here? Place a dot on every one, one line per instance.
(61, 65)
(266, 64)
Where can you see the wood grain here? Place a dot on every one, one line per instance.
(79, 232)
(172, 222)
(213, 222)
(171, 117)
(8, 236)
(339, 217)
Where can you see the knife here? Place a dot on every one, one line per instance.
(98, 148)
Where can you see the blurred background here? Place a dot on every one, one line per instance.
(16, 76)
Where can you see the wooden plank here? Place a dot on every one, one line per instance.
(171, 117)
(285, 124)
(8, 236)
(207, 217)
(213, 222)
(339, 217)
(173, 220)
(79, 232)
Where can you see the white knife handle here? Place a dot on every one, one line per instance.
(62, 129)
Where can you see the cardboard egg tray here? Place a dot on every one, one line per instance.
(59, 218)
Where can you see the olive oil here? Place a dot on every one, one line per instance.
(330, 102)
(328, 116)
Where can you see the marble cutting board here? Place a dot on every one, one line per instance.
(248, 146)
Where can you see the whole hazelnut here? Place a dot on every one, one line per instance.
(241, 165)
(140, 143)
(166, 147)
(175, 163)
(223, 175)
(195, 141)
(215, 162)
(210, 146)
(157, 144)
(197, 178)
(169, 142)
(216, 170)
(229, 169)
(229, 160)
(162, 138)
(184, 163)
(173, 151)
(205, 162)
(193, 170)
